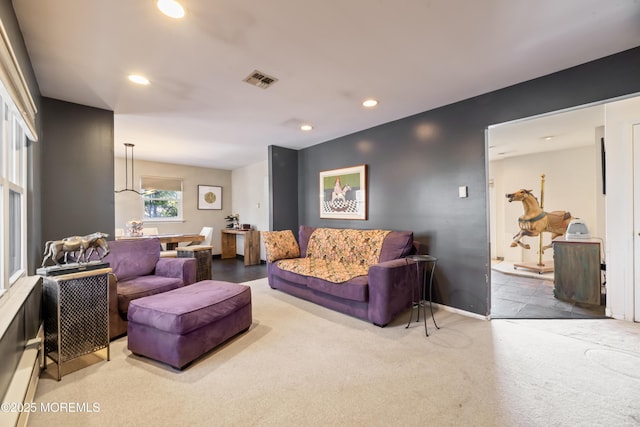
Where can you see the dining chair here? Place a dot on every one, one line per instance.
(169, 254)
(207, 232)
(150, 231)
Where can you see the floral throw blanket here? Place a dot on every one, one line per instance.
(338, 255)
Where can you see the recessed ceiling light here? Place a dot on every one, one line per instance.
(306, 127)
(369, 103)
(548, 138)
(171, 8)
(138, 79)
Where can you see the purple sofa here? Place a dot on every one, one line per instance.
(138, 271)
(377, 297)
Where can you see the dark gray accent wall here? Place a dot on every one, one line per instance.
(77, 170)
(283, 189)
(415, 166)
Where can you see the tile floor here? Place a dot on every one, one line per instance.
(519, 297)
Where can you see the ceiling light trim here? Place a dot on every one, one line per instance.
(171, 8)
(139, 79)
(370, 103)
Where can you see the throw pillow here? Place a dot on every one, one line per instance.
(280, 245)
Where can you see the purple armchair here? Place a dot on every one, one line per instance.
(138, 271)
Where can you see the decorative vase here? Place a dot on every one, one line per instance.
(134, 228)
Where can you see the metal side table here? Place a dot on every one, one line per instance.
(76, 315)
(423, 261)
(203, 256)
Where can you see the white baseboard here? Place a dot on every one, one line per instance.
(24, 382)
(461, 312)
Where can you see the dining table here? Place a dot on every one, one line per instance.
(171, 240)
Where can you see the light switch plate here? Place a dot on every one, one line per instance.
(463, 191)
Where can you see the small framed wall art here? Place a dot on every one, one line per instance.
(209, 197)
(343, 193)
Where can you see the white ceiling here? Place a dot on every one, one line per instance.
(556, 131)
(412, 55)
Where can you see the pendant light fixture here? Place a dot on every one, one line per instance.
(128, 147)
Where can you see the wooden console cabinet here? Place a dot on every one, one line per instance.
(251, 245)
(577, 276)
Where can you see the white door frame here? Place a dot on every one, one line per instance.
(620, 116)
(635, 135)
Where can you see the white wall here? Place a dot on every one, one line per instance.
(250, 199)
(570, 185)
(619, 118)
(128, 205)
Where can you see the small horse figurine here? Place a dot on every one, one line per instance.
(55, 249)
(97, 241)
(535, 220)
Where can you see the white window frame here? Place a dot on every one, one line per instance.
(15, 94)
(173, 181)
(12, 134)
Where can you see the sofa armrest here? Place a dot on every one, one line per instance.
(117, 326)
(180, 268)
(390, 289)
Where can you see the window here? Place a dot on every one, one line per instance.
(162, 198)
(12, 194)
(15, 233)
(17, 122)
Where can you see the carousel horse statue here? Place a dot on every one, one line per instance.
(535, 220)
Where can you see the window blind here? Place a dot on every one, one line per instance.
(160, 183)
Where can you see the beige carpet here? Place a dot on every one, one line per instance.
(303, 365)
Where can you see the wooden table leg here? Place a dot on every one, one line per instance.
(228, 245)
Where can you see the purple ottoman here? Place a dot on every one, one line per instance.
(178, 326)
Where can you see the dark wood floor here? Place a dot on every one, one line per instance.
(234, 270)
(512, 297)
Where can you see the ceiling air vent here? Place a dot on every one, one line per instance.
(260, 79)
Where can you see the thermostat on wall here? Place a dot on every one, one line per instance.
(463, 191)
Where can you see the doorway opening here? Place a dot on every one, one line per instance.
(558, 158)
